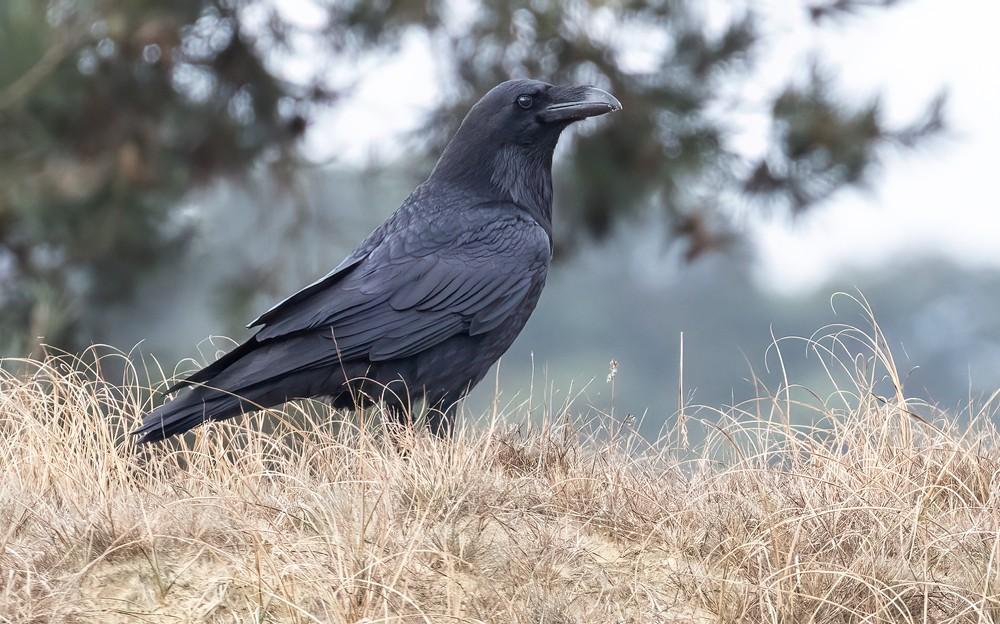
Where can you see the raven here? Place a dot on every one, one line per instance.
(431, 298)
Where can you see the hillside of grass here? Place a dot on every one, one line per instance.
(881, 509)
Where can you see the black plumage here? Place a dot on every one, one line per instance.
(431, 299)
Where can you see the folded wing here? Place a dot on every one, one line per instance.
(393, 305)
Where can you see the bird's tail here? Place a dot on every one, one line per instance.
(192, 408)
(258, 376)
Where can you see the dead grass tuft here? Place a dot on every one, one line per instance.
(878, 510)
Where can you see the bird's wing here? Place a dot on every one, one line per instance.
(328, 280)
(408, 295)
(284, 308)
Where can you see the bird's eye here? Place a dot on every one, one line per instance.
(525, 101)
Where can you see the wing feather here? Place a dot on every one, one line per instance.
(392, 306)
(491, 318)
(424, 338)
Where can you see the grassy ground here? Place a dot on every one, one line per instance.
(872, 515)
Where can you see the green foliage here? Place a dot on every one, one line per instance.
(820, 147)
(111, 111)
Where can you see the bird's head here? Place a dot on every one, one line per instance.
(532, 113)
(509, 135)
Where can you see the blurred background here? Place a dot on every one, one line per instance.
(168, 170)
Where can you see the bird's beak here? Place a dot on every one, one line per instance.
(575, 103)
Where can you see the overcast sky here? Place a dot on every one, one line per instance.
(942, 199)
(938, 200)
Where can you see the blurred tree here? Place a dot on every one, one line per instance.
(669, 145)
(110, 111)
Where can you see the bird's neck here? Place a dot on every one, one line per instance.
(524, 176)
(521, 175)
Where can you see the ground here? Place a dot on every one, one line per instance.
(881, 510)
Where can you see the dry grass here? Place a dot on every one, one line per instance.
(873, 514)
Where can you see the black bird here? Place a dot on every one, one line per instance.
(431, 299)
